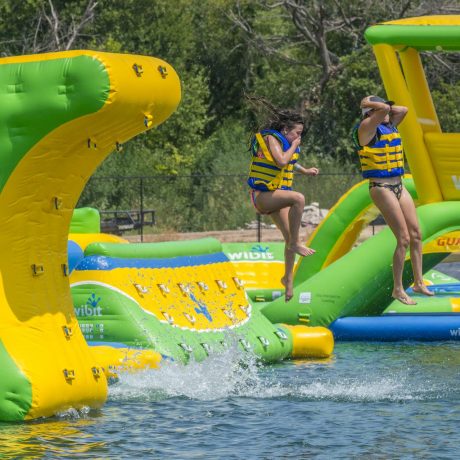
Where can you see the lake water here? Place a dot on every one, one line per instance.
(374, 401)
(370, 400)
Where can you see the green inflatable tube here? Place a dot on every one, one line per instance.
(155, 250)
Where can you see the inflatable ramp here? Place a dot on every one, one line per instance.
(182, 299)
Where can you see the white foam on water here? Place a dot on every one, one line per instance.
(73, 414)
(228, 373)
(234, 373)
(371, 389)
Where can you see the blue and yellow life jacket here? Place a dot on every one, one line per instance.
(264, 173)
(384, 157)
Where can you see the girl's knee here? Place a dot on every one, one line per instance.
(415, 235)
(404, 240)
(299, 199)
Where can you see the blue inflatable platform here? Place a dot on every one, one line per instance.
(397, 327)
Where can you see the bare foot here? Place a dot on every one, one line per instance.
(422, 289)
(301, 250)
(403, 298)
(289, 291)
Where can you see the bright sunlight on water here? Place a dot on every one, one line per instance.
(370, 400)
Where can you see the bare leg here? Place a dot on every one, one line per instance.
(281, 219)
(391, 211)
(294, 202)
(408, 209)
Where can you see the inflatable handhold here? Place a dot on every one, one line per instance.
(37, 270)
(222, 285)
(246, 345)
(190, 318)
(141, 289)
(69, 374)
(138, 70)
(184, 289)
(264, 341)
(187, 348)
(281, 335)
(57, 202)
(206, 347)
(246, 309)
(96, 372)
(168, 317)
(203, 286)
(163, 71)
(238, 283)
(67, 331)
(164, 289)
(229, 313)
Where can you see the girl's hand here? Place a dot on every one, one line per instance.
(296, 142)
(312, 171)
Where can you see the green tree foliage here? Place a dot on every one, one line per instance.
(309, 55)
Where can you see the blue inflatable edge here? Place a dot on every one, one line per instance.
(394, 328)
(74, 254)
(439, 288)
(95, 262)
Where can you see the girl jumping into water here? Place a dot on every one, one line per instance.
(275, 151)
(380, 151)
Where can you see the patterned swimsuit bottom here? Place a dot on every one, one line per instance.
(395, 188)
(253, 195)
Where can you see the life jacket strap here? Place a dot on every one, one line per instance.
(264, 147)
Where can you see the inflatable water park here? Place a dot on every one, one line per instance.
(78, 305)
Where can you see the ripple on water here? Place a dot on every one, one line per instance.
(369, 400)
(234, 374)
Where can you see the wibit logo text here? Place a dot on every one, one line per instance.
(91, 307)
(86, 310)
(455, 332)
(250, 255)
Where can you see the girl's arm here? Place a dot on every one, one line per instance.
(368, 126)
(281, 158)
(397, 114)
(306, 171)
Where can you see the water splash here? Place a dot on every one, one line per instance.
(73, 414)
(229, 373)
(236, 374)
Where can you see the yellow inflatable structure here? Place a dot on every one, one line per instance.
(62, 114)
(432, 154)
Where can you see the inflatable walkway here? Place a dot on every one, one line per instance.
(62, 114)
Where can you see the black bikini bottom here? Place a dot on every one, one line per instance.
(395, 188)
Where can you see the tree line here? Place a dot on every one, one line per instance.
(304, 54)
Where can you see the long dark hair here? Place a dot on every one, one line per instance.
(273, 117)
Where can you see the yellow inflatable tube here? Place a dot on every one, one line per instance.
(311, 342)
(114, 360)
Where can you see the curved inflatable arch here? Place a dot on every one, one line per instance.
(62, 114)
